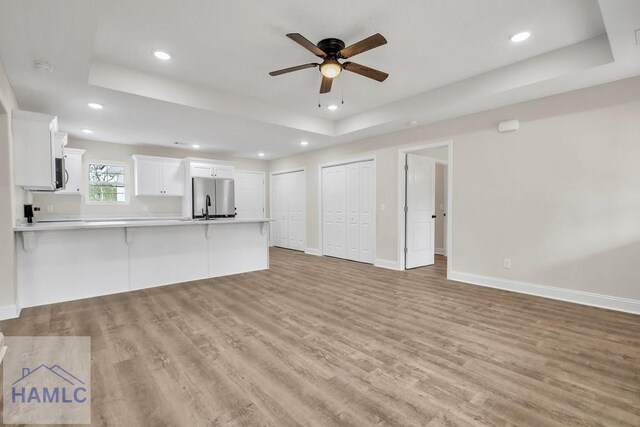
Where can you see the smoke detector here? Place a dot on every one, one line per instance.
(44, 66)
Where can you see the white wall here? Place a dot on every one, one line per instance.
(76, 205)
(560, 197)
(10, 197)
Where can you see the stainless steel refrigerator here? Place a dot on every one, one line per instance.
(213, 198)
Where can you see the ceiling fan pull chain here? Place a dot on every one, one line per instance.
(342, 85)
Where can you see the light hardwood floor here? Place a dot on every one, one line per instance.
(321, 341)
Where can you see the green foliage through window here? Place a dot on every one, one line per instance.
(106, 183)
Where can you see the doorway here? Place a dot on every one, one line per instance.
(424, 204)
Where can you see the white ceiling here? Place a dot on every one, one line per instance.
(445, 58)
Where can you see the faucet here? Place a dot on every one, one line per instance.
(207, 203)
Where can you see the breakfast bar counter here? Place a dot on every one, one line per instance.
(70, 260)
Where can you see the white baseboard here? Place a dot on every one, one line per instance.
(312, 251)
(9, 311)
(384, 263)
(579, 297)
(440, 251)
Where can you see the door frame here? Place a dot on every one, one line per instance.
(402, 197)
(375, 190)
(282, 172)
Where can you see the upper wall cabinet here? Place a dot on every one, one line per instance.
(158, 176)
(205, 170)
(73, 172)
(34, 161)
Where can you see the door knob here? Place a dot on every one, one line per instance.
(433, 216)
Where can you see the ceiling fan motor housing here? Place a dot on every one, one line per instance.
(331, 46)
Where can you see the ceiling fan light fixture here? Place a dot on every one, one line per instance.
(330, 68)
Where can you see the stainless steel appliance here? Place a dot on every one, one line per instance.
(213, 198)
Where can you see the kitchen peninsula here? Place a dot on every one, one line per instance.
(64, 261)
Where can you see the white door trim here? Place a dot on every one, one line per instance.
(375, 203)
(282, 172)
(402, 152)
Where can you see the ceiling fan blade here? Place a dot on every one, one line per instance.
(299, 38)
(365, 71)
(369, 43)
(291, 69)
(325, 86)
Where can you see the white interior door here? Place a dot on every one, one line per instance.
(289, 210)
(334, 206)
(366, 214)
(420, 211)
(348, 211)
(249, 187)
(353, 211)
(296, 213)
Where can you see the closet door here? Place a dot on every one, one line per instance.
(334, 192)
(280, 237)
(296, 211)
(289, 202)
(366, 210)
(353, 211)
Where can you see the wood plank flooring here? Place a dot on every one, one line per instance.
(321, 341)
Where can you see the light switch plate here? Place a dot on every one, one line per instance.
(507, 263)
(383, 207)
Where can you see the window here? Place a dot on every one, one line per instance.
(106, 183)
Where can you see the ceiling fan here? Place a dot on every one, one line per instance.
(331, 50)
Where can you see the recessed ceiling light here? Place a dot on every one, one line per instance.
(520, 37)
(95, 106)
(332, 107)
(304, 143)
(195, 145)
(162, 55)
(412, 123)
(261, 154)
(87, 130)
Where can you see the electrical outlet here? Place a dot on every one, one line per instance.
(145, 208)
(49, 208)
(383, 207)
(507, 263)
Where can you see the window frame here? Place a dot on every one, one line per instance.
(127, 181)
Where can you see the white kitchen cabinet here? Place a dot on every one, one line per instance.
(73, 171)
(201, 171)
(173, 178)
(223, 172)
(158, 176)
(34, 150)
(207, 170)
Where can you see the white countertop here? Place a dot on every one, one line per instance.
(82, 224)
